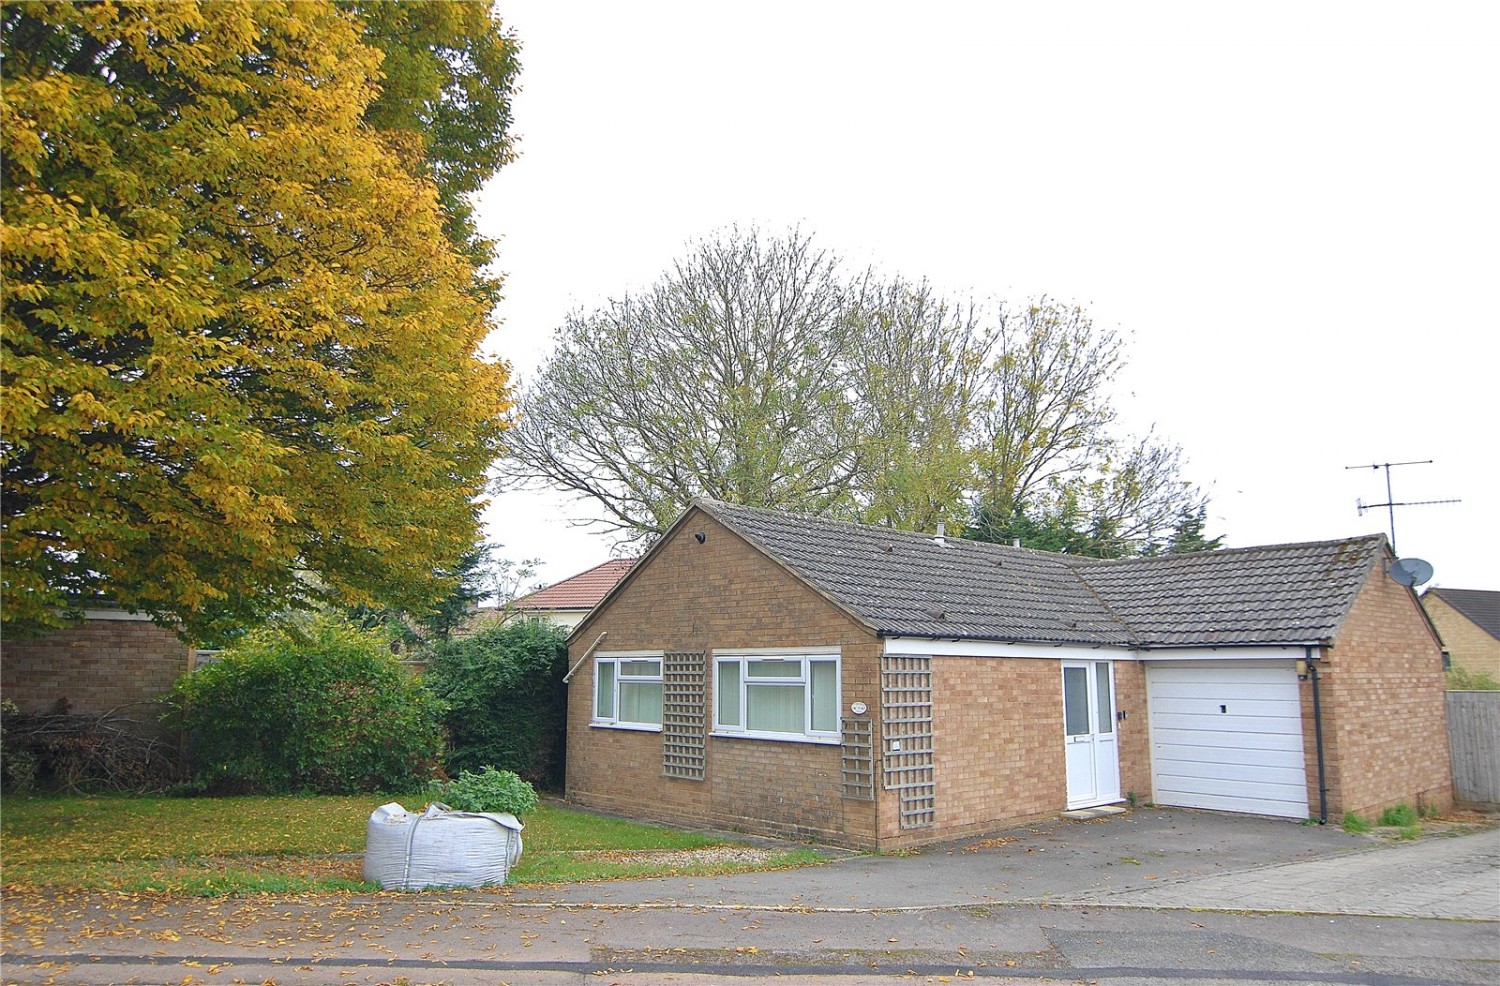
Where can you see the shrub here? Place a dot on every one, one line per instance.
(1464, 680)
(489, 790)
(506, 703)
(321, 708)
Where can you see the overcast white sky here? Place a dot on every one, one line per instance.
(1291, 210)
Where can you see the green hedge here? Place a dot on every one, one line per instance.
(505, 700)
(323, 708)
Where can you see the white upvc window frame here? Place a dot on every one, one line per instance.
(607, 667)
(800, 676)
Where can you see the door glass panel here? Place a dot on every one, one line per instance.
(1106, 707)
(1076, 701)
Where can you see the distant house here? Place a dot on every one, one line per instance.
(1468, 620)
(793, 676)
(565, 603)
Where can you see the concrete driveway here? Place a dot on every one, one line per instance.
(1149, 857)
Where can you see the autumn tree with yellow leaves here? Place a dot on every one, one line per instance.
(243, 301)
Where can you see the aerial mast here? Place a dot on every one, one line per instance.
(1390, 501)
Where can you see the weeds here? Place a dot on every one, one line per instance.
(1400, 816)
(1355, 825)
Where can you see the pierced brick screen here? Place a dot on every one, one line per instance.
(906, 753)
(683, 714)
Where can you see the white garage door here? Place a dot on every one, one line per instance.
(1227, 735)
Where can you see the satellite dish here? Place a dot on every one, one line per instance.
(1410, 571)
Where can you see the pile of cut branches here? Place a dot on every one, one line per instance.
(61, 751)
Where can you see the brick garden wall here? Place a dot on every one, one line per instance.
(1384, 708)
(721, 595)
(101, 665)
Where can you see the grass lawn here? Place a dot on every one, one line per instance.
(209, 846)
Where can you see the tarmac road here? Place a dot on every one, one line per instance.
(1154, 896)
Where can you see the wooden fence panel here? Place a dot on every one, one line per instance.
(1474, 739)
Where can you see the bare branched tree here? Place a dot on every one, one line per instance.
(758, 371)
(1045, 445)
(726, 379)
(918, 367)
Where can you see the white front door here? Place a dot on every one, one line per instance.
(1089, 725)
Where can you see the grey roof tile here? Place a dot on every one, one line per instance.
(1287, 593)
(905, 584)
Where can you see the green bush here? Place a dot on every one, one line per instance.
(489, 790)
(323, 708)
(1464, 680)
(506, 703)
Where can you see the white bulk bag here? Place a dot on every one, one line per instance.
(440, 847)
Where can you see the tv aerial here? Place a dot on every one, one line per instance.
(1390, 503)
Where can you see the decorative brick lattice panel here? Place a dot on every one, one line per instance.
(857, 759)
(683, 715)
(907, 754)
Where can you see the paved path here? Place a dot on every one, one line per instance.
(1444, 877)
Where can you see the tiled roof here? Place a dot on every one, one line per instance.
(1482, 606)
(904, 584)
(582, 591)
(1284, 593)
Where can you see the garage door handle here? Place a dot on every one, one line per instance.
(1223, 708)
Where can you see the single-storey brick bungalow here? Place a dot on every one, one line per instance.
(786, 675)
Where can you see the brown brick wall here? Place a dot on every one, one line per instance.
(1134, 732)
(1384, 708)
(97, 666)
(1470, 647)
(998, 737)
(721, 595)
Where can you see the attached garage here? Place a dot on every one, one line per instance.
(1227, 735)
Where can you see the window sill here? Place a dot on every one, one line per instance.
(629, 727)
(779, 738)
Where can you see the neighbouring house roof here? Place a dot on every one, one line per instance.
(1481, 606)
(900, 583)
(582, 591)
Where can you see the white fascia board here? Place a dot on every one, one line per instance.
(926, 647)
(1285, 652)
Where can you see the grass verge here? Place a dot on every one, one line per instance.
(217, 846)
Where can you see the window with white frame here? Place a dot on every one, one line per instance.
(780, 696)
(627, 691)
